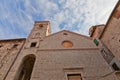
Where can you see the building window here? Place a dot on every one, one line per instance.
(115, 67)
(15, 45)
(26, 68)
(33, 44)
(67, 44)
(104, 53)
(74, 77)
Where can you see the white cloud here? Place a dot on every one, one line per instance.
(85, 13)
(74, 15)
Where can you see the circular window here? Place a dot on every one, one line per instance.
(67, 44)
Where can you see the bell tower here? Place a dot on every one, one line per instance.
(39, 32)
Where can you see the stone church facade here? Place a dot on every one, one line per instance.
(64, 55)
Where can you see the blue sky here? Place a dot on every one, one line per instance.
(17, 16)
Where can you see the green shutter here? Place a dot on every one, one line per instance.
(96, 42)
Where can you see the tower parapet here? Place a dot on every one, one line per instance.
(40, 30)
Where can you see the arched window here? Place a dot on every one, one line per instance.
(26, 67)
(67, 44)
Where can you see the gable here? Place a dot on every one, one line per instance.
(66, 40)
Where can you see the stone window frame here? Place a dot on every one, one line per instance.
(73, 71)
(33, 44)
(68, 75)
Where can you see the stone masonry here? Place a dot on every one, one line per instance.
(64, 55)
